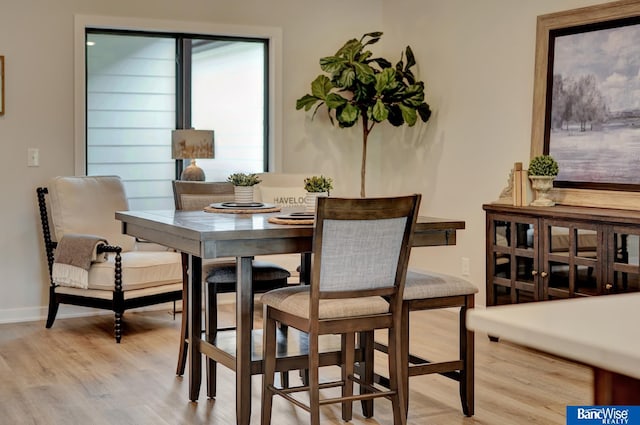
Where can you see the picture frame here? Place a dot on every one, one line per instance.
(1, 85)
(550, 27)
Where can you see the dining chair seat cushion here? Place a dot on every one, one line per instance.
(140, 269)
(262, 271)
(423, 285)
(295, 300)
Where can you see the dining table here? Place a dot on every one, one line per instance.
(213, 234)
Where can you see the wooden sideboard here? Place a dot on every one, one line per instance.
(543, 253)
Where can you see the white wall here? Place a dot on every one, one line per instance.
(37, 40)
(477, 60)
(476, 57)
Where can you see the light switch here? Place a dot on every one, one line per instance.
(33, 157)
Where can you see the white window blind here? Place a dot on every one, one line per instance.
(131, 110)
(130, 115)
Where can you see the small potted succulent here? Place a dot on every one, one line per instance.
(543, 170)
(243, 186)
(316, 186)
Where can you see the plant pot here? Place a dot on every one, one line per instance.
(243, 194)
(310, 200)
(541, 186)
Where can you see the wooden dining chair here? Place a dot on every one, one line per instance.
(219, 274)
(360, 253)
(426, 290)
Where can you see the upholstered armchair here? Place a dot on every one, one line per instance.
(91, 263)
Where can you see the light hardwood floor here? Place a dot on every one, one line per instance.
(75, 373)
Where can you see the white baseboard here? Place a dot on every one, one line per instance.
(66, 311)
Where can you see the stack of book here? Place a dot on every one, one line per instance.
(521, 188)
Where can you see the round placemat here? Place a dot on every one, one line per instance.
(278, 220)
(242, 210)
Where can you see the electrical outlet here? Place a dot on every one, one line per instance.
(465, 266)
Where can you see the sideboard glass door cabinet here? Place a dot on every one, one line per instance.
(545, 253)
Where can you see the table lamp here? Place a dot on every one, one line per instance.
(192, 144)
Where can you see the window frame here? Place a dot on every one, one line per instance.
(273, 35)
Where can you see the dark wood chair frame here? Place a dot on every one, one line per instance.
(118, 304)
(460, 370)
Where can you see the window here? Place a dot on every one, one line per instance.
(142, 85)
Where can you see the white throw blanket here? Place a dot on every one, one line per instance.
(73, 258)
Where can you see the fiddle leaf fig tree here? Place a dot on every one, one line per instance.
(360, 87)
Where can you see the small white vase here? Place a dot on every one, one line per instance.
(310, 200)
(542, 185)
(243, 194)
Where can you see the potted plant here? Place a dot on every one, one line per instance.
(243, 186)
(543, 169)
(316, 186)
(362, 87)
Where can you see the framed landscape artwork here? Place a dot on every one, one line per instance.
(586, 111)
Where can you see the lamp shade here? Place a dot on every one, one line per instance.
(192, 144)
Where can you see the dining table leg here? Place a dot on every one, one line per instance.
(305, 268)
(244, 325)
(195, 326)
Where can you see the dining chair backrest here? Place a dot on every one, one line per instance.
(361, 246)
(196, 195)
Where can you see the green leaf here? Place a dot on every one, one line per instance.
(364, 73)
(395, 116)
(414, 95)
(379, 112)
(348, 115)
(385, 80)
(409, 114)
(425, 112)
(306, 102)
(375, 36)
(363, 94)
(321, 86)
(399, 66)
(334, 100)
(332, 64)
(347, 78)
(409, 76)
(362, 58)
(411, 60)
(382, 63)
(350, 50)
(346, 46)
